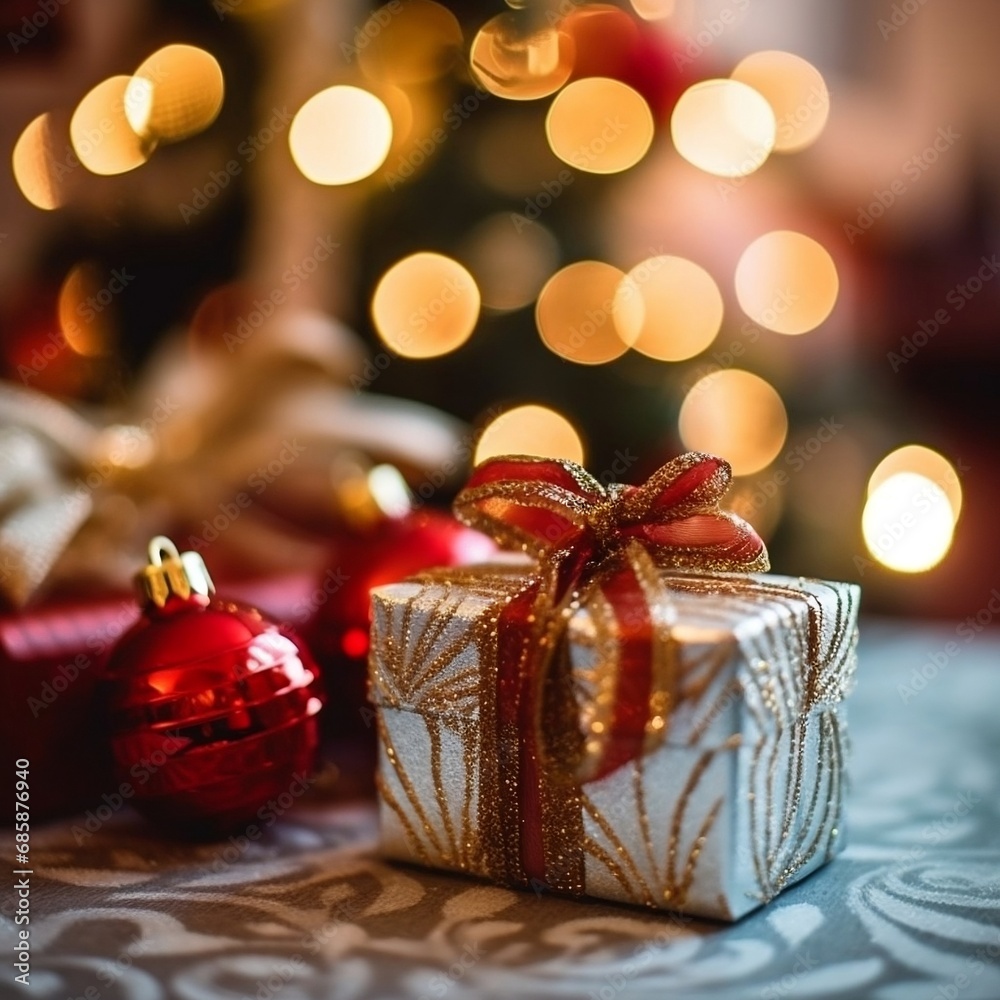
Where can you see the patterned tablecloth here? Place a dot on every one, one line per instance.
(910, 911)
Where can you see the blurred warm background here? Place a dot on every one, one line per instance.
(762, 228)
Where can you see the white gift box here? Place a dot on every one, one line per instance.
(738, 789)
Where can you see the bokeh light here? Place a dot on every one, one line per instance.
(175, 93)
(925, 462)
(402, 111)
(83, 311)
(654, 10)
(35, 166)
(520, 64)
(576, 309)
(510, 259)
(682, 308)
(723, 127)
(226, 317)
(736, 415)
(908, 523)
(530, 430)
(796, 91)
(786, 282)
(340, 135)
(124, 446)
(407, 43)
(599, 125)
(425, 305)
(101, 134)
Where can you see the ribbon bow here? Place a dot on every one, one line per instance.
(548, 507)
(586, 538)
(81, 494)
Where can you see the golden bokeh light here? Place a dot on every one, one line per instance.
(425, 305)
(530, 430)
(402, 110)
(510, 259)
(101, 134)
(217, 316)
(407, 43)
(654, 10)
(786, 282)
(599, 125)
(175, 93)
(36, 169)
(796, 91)
(736, 415)
(908, 523)
(576, 310)
(520, 64)
(723, 127)
(340, 135)
(925, 462)
(682, 308)
(82, 308)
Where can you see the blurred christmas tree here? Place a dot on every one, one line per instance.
(591, 211)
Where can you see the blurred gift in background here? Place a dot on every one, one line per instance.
(243, 238)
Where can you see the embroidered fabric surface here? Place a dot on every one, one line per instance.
(310, 910)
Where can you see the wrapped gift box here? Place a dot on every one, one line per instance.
(739, 795)
(724, 786)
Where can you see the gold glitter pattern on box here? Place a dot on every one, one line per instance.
(739, 789)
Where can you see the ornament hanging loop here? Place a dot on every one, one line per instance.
(160, 545)
(172, 573)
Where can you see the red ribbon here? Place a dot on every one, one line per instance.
(586, 536)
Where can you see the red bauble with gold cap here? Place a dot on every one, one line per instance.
(212, 708)
(387, 539)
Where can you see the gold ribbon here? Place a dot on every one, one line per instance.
(245, 439)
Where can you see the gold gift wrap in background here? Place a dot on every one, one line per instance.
(737, 791)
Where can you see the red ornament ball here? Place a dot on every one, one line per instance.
(212, 708)
(387, 552)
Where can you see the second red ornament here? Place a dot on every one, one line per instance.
(387, 540)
